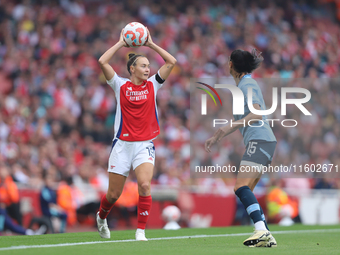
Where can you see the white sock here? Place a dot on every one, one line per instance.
(260, 225)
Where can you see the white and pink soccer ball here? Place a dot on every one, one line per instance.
(171, 213)
(135, 34)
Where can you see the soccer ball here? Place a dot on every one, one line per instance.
(135, 34)
(171, 213)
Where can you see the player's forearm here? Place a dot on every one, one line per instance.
(222, 132)
(244, 121)
(227, 130)
(164, 54)
(105, 58)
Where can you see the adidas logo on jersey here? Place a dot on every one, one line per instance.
(129, 88)
(144, 213)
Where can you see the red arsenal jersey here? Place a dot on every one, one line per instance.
(136, 112)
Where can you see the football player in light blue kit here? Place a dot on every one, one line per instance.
(259, 140)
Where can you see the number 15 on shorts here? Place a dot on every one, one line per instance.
(251, 148)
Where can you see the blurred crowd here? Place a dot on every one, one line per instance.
(57, 112)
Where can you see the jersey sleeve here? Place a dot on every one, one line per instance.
(256, 94)
(157, 81)
(116, 82)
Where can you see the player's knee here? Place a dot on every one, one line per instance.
(113, 195)
(144, 188)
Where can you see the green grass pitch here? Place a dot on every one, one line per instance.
(297, 239)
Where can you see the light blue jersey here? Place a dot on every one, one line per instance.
(254, 133)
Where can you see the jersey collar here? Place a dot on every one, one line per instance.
(144, 82)
(246, 76)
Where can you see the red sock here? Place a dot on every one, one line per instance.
(105, 208)
(144, 207)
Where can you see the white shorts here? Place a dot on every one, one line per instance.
(126, 154)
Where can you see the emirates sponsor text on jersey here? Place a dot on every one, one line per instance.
(137, 95)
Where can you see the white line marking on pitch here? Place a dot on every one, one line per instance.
(21, 247)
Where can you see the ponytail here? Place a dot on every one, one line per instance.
(244, 61)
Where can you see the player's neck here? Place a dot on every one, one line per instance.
(136, 81)
(238, 78)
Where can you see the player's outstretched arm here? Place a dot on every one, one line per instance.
(105, 58)
(226, 130)
(170, 61)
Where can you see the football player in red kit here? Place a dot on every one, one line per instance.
(136, 125)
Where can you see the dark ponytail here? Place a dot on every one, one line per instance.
(244, 61)
(132, 60)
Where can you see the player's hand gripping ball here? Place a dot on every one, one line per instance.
(135, 34)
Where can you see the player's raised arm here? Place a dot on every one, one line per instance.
(105, 58)
(170, 61)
